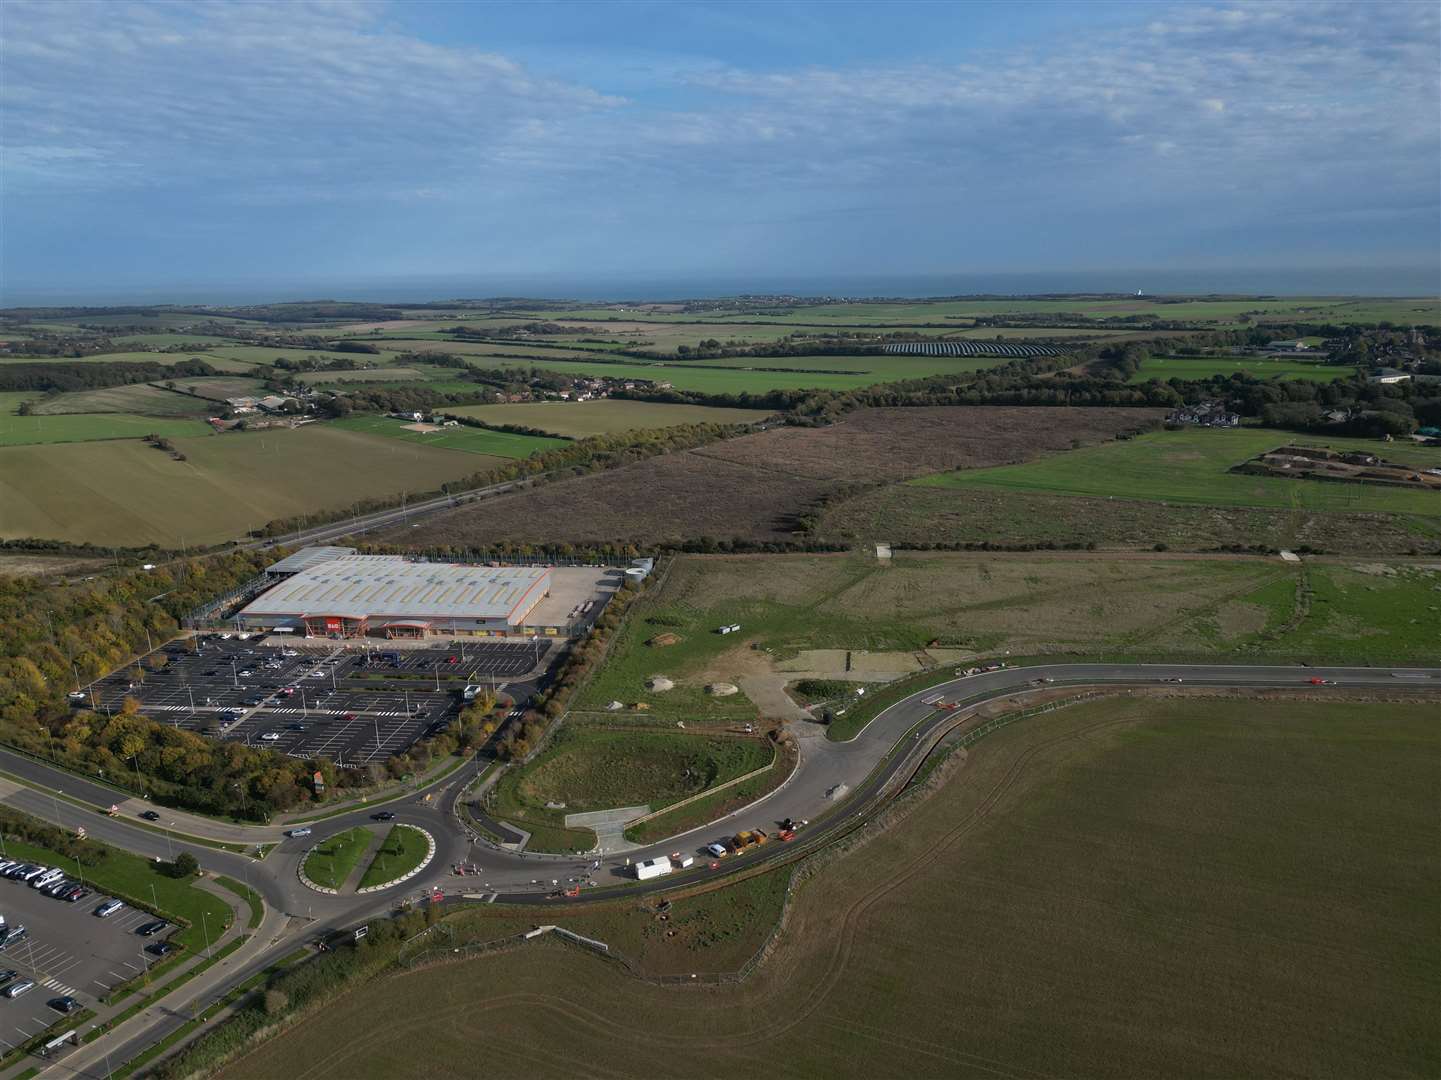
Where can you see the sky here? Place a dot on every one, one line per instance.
(328, 149)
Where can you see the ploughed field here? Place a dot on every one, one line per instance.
(760, 486)
(1215, 886)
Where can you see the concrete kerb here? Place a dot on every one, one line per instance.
(429, 855)
(300, 870)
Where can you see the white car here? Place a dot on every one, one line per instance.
(718, 850)
(271, 736)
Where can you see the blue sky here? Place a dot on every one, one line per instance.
(149, 146)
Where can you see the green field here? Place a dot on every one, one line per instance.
(1209, 367)
(578, 419)
(1246, 609)
(599, 769)
(1192, 467)
(126, 493)
(330, 862)
(471, 440)
(1128, 888)
(402, 850)
(42, 429)
(137, 398)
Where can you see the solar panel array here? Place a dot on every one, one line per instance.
(971, 348)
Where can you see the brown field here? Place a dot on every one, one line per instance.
(663, 500)
(24, 565)
(756, 486)
(907, 514)
(891, 444)
(1126, 888)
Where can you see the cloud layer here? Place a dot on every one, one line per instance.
(1178, 136)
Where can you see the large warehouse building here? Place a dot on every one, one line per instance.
(349, 595)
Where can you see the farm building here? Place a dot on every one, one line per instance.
(390, 596)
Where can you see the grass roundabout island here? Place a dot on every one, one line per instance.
(332, 863)
(406, 849)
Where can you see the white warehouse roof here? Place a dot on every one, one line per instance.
(307, 557)
(391, 586)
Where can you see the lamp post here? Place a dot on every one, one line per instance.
(205, 923)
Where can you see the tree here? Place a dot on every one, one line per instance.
(185, 865)
(275, 1002)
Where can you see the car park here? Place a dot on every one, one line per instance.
(7, 975)
(271, 736)
(12, 935)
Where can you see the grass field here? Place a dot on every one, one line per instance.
(402, 850)
(581, 418)
(1207, 367)
(1192, 467)
(330, 862)
(41, 429)
(128, 493)
(1247, 609)
(141, 399)
(470, 440)
(596, 769)
(1125, 888)
(127, 875)
(220, 387)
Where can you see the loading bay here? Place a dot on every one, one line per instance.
(355, 704)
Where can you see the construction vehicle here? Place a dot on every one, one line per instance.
(745, 840)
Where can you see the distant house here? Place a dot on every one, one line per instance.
(274, 403)
(1205, 414)
(242, 404)
(1389, 375)
(1289, 346)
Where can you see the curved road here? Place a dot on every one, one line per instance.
(838, 785)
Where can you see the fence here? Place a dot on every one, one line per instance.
(213, 611)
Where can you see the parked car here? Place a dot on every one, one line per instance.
(8, 974)
(18, 987)
(65, 1004)
(109, 908)
(151, 815)
(160, 948)
(75, 895)
(12, 935)
(271, 736)
(150, 929)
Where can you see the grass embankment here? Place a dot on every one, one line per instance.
(1210, 877)
(138, 882)
(715, 805)
(1193, 467)
(330, 862)
(589, 767)
(402, 851)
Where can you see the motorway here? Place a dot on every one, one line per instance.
(837, 786)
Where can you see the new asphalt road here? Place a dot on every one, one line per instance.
(836, 785)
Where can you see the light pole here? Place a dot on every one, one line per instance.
(169, 842)
(205, 922)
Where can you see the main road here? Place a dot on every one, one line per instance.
(837, 785)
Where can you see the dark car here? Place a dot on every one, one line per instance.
(150, 929)
(160, 948)
(66, 1004)
(75, 895)
(8, 974)
(150, 815)
(294, 727)
(384, 815)
(212, 671)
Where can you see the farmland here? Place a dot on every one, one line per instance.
(1209, 367)
(40, 429)
(128, 493)
(140, 398)
(1108, 928)
(920, 515)
(758, 486)
(807, 612)
(582, 418)
(1192, 467)
(503, 444)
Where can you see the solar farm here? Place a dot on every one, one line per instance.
(970, 348)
